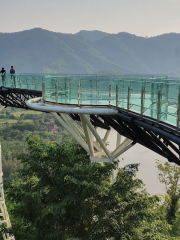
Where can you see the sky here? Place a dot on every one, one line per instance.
(139, 17)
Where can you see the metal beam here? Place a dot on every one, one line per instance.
(87, 135)
(80, 141)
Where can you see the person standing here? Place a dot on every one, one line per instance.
(12, 72)
(3, 74)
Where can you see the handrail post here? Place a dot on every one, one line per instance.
(35, 83)
(128, 98)
(142, 99)
(91, 84)
(152, 100)
(56, 92)
(110, 94)
(159, 106)
(79, 87)
(27, 81)
(43, 90)
(19, 80)
(117, 96)
(178, 111)
(91, 95)
(69, 80)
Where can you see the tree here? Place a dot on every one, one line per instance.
(169, 175)
(58, 194)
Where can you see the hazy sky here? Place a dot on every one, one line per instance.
(140, 17)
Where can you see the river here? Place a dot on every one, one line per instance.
(139, 154)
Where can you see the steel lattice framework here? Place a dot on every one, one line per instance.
(15, 97)
(157, 136)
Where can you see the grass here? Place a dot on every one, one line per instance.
(13, 120)
(18, 113)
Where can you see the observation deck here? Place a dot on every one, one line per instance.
(143, 108)
(154, 96)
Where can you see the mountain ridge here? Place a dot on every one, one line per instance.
(39, 50)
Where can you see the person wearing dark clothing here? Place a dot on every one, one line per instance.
(3, 74)
(12, 72)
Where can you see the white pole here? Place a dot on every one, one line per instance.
(118, 141)
(80, 141)
(126, 142)
(96, 135)
(87, 134)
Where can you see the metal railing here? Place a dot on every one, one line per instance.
(155, 96)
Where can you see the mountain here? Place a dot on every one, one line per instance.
(92, 36)
(157, 55)
(41, 51)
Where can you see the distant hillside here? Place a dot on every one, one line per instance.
(42, 51)
(92, 36)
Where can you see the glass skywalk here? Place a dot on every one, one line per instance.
(154, 96)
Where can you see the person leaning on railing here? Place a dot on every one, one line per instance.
(12, 72)
(3, 74)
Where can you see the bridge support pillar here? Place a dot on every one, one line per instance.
(88, 137)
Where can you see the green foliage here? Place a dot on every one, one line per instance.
(169, 175)
(58, 194)
(175, 232)
(12, 136)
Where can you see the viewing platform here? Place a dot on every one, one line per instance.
(144, 109)
(157, 97)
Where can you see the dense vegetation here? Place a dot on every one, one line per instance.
(38, 50)
(15, 125)
(58, 194)
(53, 192)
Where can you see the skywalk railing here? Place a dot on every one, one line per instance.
(154, 96)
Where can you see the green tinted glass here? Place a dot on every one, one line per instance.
(153, 96)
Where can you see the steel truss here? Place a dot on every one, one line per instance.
(160, 138)
(87, 136)
(15, 97)
(82, 122)
(157, 136)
